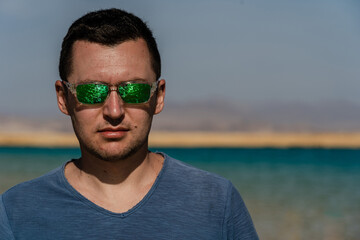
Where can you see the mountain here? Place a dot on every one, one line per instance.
(219, 115)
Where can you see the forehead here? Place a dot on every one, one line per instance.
(122, 62)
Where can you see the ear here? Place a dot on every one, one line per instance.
(61, 97)
(160, 96)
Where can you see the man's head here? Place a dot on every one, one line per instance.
(107, 56)
(107, 27)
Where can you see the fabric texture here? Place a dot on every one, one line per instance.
(183, 203)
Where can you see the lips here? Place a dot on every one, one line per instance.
(113, 133)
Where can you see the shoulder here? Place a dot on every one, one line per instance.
(215, 194)
(185, 172)
(32, 189)
(210, 196)
(28, 199)
(185, 178)
(5, 228)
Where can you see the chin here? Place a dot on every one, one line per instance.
(114, 152)
(115, 156)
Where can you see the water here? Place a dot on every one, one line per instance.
(290, 193)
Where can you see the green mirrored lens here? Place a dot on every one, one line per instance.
(92, 93)
(135, 92)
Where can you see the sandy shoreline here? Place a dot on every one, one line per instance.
(198, 139)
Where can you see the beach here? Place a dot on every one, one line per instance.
(197, 139)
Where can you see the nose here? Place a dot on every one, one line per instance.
(113, 107)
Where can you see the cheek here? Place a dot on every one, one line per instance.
(83, 122)
(77, 125)
(139, 119)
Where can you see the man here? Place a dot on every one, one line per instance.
(118, 189)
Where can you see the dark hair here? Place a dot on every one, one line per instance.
(107, 27)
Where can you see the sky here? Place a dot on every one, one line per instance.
(243, 51)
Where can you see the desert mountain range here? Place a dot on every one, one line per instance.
(216, 115)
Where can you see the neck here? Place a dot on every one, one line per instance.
(114, 172)
(106, 183)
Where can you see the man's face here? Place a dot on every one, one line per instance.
(113, 130)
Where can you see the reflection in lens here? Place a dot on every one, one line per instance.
(135, 93)
(92, 93)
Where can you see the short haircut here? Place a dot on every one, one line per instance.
(107, 27)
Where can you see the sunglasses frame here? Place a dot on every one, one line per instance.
(72, 87)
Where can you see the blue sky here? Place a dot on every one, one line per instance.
(245, 51)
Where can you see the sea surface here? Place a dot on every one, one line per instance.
(293, 193)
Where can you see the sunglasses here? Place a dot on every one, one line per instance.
(96, 93)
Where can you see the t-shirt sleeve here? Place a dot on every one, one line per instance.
(237, 222)
(5, 229)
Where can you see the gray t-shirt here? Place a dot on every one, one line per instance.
(184, 203)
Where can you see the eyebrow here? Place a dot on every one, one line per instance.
(85, 81)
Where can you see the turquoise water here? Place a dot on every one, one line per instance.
(291, 193)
